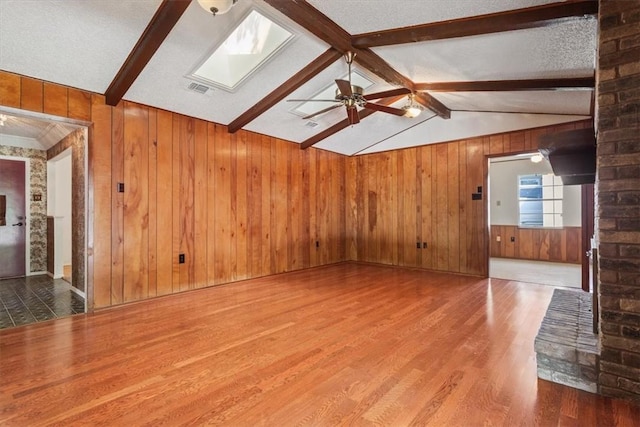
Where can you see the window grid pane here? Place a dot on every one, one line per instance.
(540, 200)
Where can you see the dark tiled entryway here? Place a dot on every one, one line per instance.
(36, 298)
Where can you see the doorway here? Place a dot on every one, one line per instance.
(41, 138)
(535, 223)
(14, 250)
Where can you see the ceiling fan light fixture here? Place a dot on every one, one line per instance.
(412, 110)
(536, 158)
(217, 7)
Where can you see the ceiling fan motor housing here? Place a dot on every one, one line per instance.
(355, 99)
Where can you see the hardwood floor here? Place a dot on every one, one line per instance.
(346, 344)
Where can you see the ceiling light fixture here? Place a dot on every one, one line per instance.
(412, 109)
(217, 7)
(536, 158)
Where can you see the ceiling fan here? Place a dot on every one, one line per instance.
(352, 96)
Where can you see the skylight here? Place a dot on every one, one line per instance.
(250, 45)
(310, 107)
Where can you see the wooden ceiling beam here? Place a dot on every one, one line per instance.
(344, 124)
(301, 77)
(163, 21)
(509, 85)
(305, 15)
(519, 19)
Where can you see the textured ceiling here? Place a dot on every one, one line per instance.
(83, 44)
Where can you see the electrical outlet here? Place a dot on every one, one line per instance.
(424, 245)
(513, 239)
(181, 259)
(317, 243)
(418, 245)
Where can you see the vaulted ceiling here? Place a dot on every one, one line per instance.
(478, 67)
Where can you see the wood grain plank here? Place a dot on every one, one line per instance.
(10, 89)
(187, 180)
(267, 236)
(279, 190)
(211, 204)
(56, 100)
(295, 248)
(426, 205)
(136, 200)
(442, 207)
(200, 206)
(117, 205)
(175, 201)
(475, 242)
(100, 191)
(351, 224)
(79, 105)
(312, 176)
(164, 204)
(240, 189)
(31, 94)
(254, 208)
(453, 207)
(223, 235)
(152, 288)
(409, 208)
(464, 200)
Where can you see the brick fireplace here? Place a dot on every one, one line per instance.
(618, 196)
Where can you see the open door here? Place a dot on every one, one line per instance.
(12, 218)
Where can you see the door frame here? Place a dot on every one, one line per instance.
(27, 201)
(87, 187)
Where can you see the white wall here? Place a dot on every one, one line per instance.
(503, 192)
(59, 202)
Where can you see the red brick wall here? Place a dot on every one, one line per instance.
(618, 196)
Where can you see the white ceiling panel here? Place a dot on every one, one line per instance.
(463, 125)
(548, 102)
(370, 132)
(363, 16)
(79, 43)
(163, 83)
(561, 50)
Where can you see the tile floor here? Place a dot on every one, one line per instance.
(33, 299)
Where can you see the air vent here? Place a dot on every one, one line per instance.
(311, 124)
(199, 88)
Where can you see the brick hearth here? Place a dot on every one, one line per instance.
(566, 347)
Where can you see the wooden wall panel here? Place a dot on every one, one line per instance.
(442, 212)
(32, 94)
(136, 203)
(185, 210)
(10, 90)
(100, 199)
(200, 206)
(56, 100)
(163, 203)
(538, 244)
(153, 203)
(117, 204)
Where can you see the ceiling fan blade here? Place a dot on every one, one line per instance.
(345, 87)
(385, 109)
(312, 100)
(317, 113)
(352, 114)
(388, 93)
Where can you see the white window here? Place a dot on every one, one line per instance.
(540, 200)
